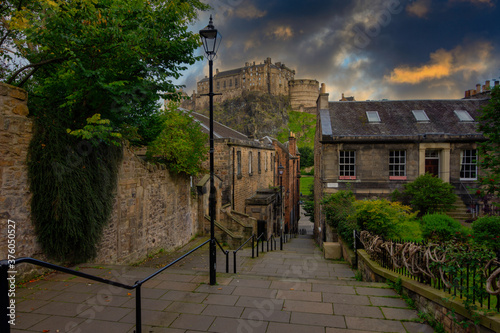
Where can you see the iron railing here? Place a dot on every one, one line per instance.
(468, 281)
(6, 266)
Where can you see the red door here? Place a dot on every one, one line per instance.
(432, 166)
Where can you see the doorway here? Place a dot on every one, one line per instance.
(432, 162)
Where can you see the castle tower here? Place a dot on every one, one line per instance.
(303, 93)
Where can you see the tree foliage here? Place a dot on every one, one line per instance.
(181, 145)
(489, 125)
(94, 70)
(428, 194)
(303, 125)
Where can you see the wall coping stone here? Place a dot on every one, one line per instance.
(444, 299)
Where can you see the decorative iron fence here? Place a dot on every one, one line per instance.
(430, 264)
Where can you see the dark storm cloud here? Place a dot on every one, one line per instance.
(371, 49)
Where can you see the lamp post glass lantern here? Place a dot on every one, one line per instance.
(211, 39)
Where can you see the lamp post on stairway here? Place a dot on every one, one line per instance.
(211, 39)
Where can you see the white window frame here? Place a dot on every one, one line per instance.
(347, 164)
(468, 160)
(397, 165)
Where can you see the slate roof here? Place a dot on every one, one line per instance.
(347, 121)
(220, 131)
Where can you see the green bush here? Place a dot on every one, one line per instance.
(440, 227)
(338, 206)
(339, 212)
(429, 194)
(382, 217)
(486, 231)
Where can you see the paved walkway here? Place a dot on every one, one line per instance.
(294, 290)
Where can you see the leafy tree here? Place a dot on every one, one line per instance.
(94, 70)
(306, 156)
(181, 145)
(428, 194)
(489, 151)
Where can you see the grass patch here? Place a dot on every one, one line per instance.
(305, 184)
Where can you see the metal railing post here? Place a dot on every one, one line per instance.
(257, 247)
(234, 253)
(268, 245)
(281, 242)
(227, 261)
(253, 244)
(262, 244)
(4, 298)
(138, 316)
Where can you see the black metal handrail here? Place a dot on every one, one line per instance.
(5, 265)
(226, 253)
(257, 242)
(236, 251)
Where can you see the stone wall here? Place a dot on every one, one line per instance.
(152, 210)
(15, 136)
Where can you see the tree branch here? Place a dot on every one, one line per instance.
(41, 63)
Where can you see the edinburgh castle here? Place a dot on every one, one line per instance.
(266, 77)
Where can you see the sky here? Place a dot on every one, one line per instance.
(369, 49)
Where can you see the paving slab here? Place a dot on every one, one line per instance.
(294, 290)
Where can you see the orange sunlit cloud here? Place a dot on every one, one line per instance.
(249, 11)
(477, 2)
(419, 8)
(282, 32)
(444, 63)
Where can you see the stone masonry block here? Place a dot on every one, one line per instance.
(332, 250)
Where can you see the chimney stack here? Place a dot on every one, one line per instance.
(322, 101)
(487, 85)
(467, 93)
(478, 88)
(216, 71)
(292, 144)
(323, 88)
(497, 83)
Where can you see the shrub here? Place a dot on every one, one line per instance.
(429, 194)
(486, 231)
(440, 227)
(382, 217)
(339, 212)
(338, 206)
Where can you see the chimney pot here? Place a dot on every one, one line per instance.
(487, 85)
(323, 88)
(478, 88)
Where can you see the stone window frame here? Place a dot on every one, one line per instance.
(347, 164)
(397, 164)
(468, 164)
(250, 163)
(259, 168)
(238, 164)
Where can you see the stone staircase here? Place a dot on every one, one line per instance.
(461, 213)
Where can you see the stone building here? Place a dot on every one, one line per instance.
(249, 182)
(375, 147)
(481, 92)
(266, 77)
(303, 94)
